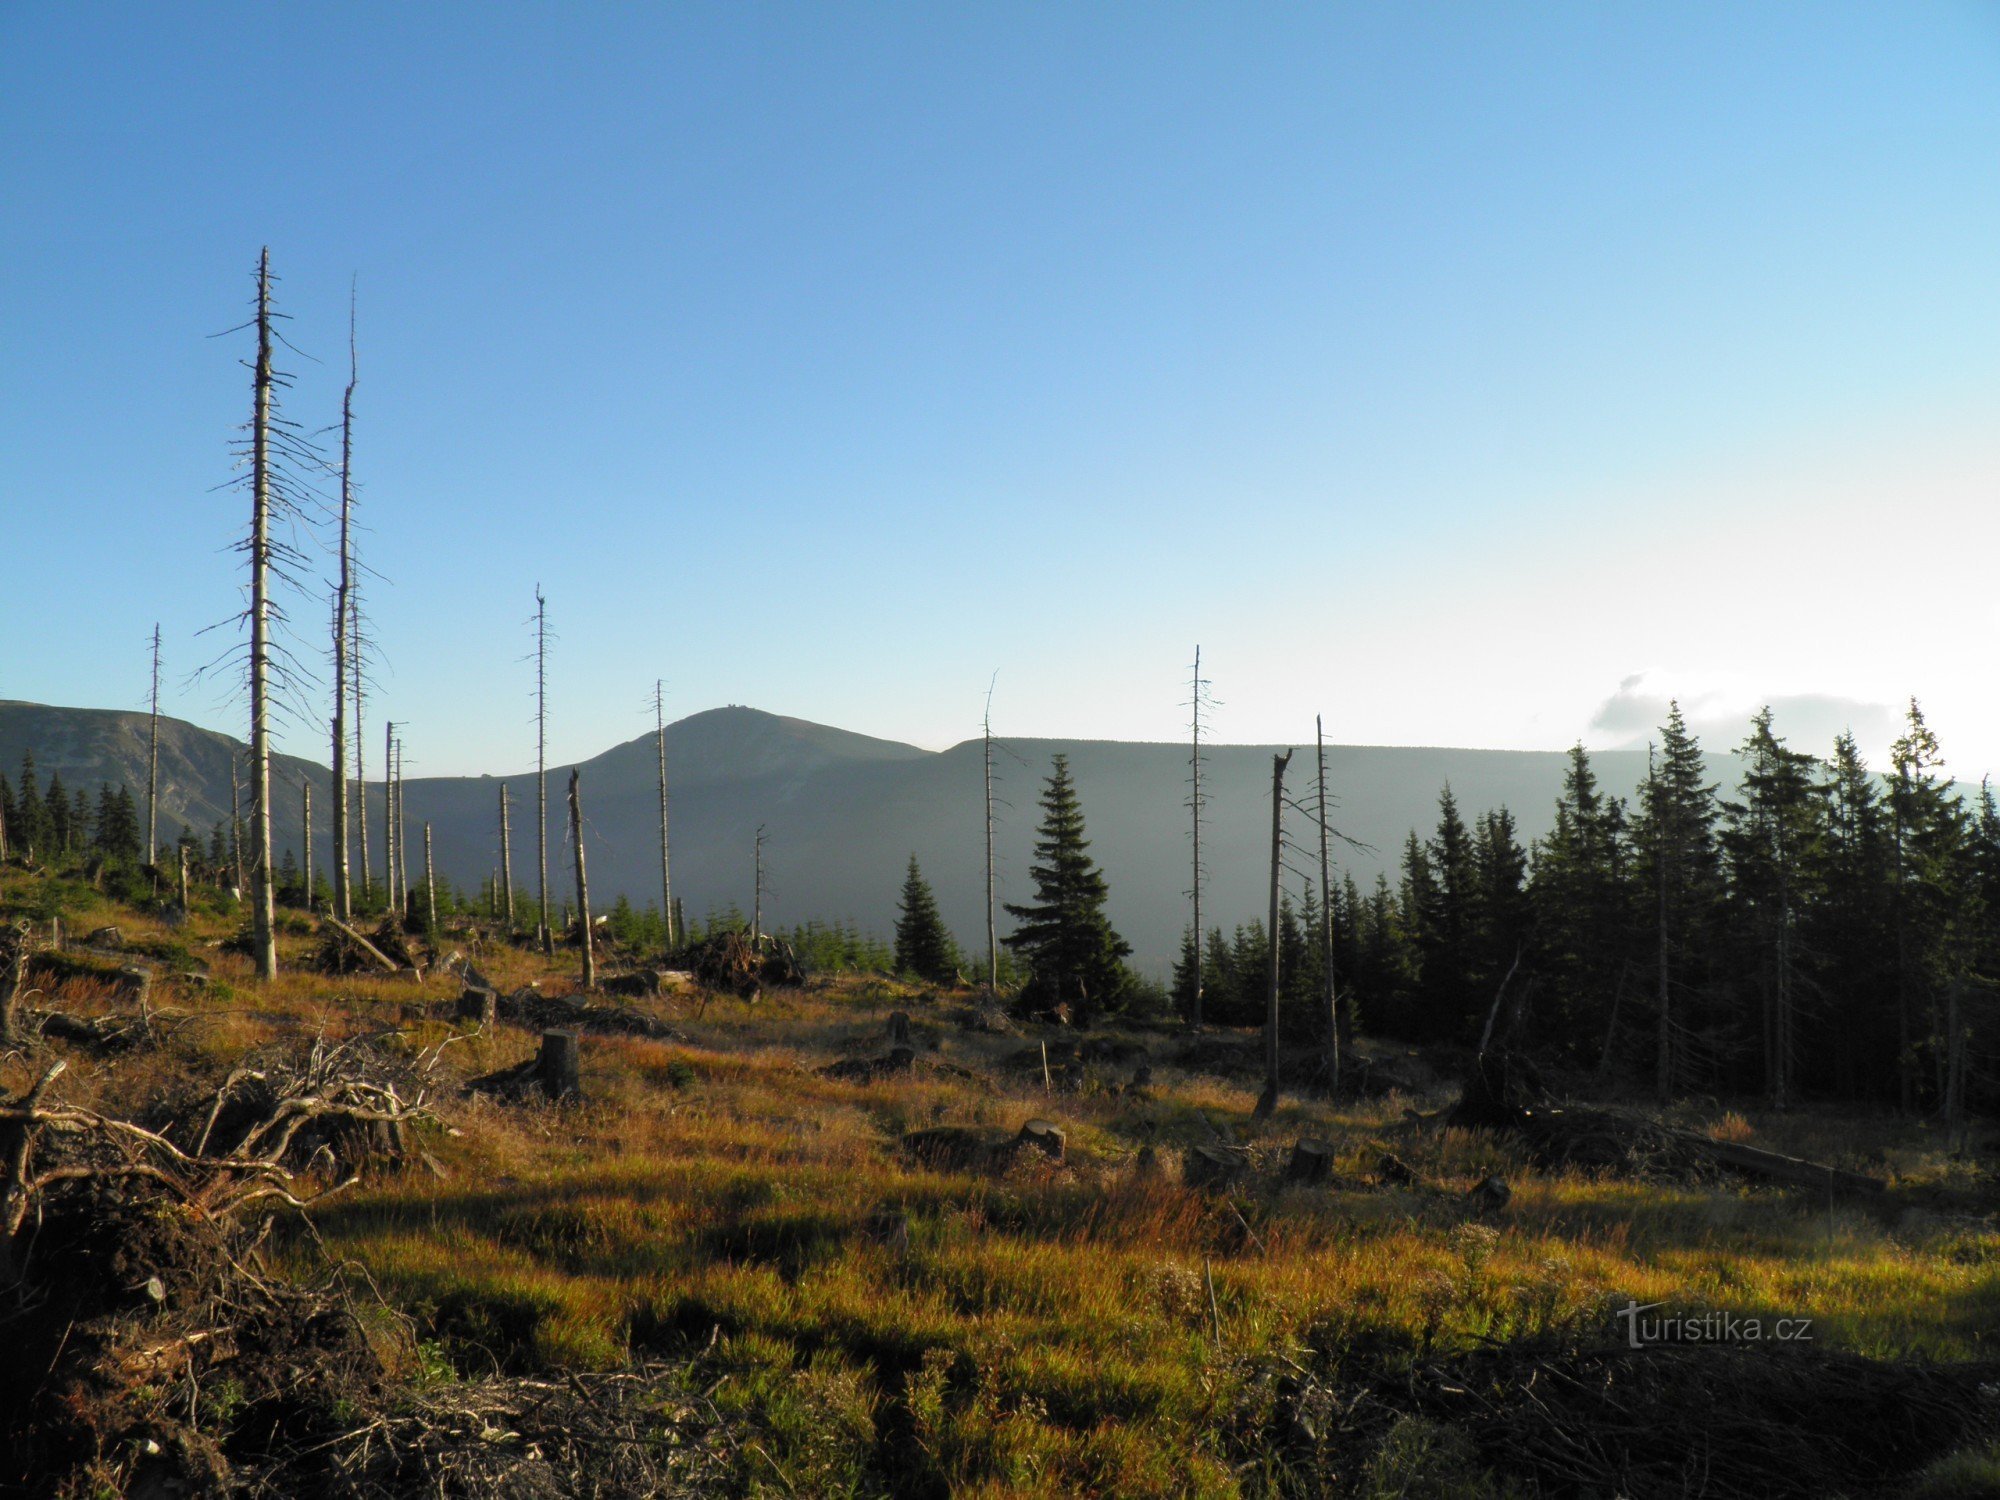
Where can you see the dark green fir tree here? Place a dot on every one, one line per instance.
(923, 947)
(1074, 957)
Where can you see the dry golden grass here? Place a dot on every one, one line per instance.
(1047, 1329)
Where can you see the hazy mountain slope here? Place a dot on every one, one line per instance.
(843, 812)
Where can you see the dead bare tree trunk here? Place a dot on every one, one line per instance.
(1269, 1100)
(306, 875)
(360, 739)
(184, 879)
(506, 858)
(542, 764)
(236, 826)
(430, 886)
(757, 898)
(1330, 993)
(992, 943)
(582, 884)
(389, 813)
(342, 902)
(1194, 806)
(666, 873)
(152, 773)
(263, 913)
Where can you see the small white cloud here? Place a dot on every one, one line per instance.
(1719, 715)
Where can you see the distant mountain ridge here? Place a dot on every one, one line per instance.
(844, 812)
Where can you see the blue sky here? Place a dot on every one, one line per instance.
(1472, 374)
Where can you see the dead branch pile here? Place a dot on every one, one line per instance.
(638, 1432)
(151, 1350)
(348, 950)
(1570, 1417)
(735, 963)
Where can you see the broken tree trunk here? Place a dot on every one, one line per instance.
(559, 1066)
(1268, 1101)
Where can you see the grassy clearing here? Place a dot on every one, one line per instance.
(1045, 1329)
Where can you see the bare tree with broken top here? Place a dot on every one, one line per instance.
(506, 859)
(1198, 699)
(1268, 1101)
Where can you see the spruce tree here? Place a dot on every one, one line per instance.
(923, 947)
(1771, 839)
(1074, 957)
(1682, 875)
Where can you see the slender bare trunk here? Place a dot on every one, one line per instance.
(263, 914)
(184, 879)
(342, 902)
(1269, 1101)
(506, 857)
(360, 738)
(1194, 806)
(992, 942)
(542, 764)
(389, 813)
(236, 826)
(666, 872)
(306, 876)
(757, 897)
(1329, 992)
(152, 772)
(582, 884)
(430, 885)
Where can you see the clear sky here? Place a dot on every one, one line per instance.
(1470, 374)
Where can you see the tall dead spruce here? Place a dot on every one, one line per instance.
(1269, 1100)
(666, 871)
(152, 769)
(277, 453)
(542, 768)
(582, 882)
(342, 599)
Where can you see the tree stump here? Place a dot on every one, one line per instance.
(1490, 1196)
(1311, 1164)
(899, 1028)
(1393, 1171)
(1045, 1136)
(1212, 1167)
(478, 1005)
(559, 1067)
(900, 1060)
(140, 982)
(106, 937)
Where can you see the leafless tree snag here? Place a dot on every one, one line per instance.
(343, 595)
(666, 873)
(542, 766)
(1335, 1025)
(582, 882)
(152, 768)
(992, 942)
(1269, 1099)
(306, 874)
(506, 859)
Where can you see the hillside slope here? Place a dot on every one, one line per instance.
(843, 812)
